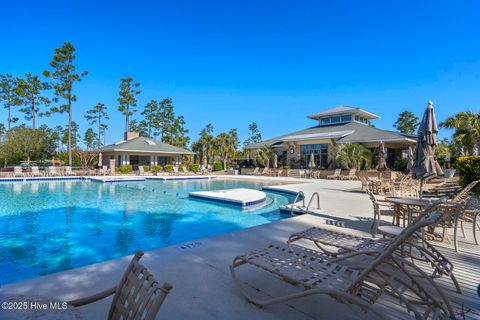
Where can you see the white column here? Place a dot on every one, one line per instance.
(124, 159)
(127, 157)
(152, 160)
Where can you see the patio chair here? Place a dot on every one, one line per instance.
(465, 192)
(352, 175)
(254, 172)
(35, 172)
(18, 172)
(360, 284)
(472, 213)
(52, 171)
(335, 175)
(137, 296)
(69, 171)
(279, 172)
(380, 210)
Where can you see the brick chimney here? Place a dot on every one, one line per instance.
(131, 135)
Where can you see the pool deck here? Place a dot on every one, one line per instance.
(202, 286)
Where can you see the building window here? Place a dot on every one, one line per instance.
(320, 153)
(347, 118)
(335, 119)
(325, 120)
(357, 118)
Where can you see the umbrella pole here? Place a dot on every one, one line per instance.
(421, 188)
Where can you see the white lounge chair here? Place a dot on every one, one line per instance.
(335, 175)
(141, 171)
(68, 171)
(18, 172)
(352, 175)
(185, 171)
(52, 171)
(254, 172)
(35, 172)
(265, 172)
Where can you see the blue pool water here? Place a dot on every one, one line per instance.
(47, 227)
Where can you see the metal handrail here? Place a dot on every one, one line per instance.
(295, 201)
(311, 199)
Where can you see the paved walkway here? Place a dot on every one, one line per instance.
(199, 273)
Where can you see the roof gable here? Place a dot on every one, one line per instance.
(143, 144)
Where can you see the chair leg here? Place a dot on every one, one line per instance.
(463, 229)
(455, 235)
(475, 225)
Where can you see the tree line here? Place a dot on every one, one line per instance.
(53, 91)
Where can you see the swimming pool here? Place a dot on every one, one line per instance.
(46, 227)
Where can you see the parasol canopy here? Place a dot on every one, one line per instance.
(409, 158)
(382, 163)
(425, 165)
(311, 163)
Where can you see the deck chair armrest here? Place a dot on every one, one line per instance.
(92, 298)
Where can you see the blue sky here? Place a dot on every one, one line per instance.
(274, 62)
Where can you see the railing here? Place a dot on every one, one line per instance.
(300, 193)
(311, 199)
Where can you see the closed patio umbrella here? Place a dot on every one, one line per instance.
(409, 158)
(100, 162)
(311, 164)
(425, 165)
(275, 161)
(382, 163)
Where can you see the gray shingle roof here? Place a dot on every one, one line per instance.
(343, 110)
(361, 133)
(142, 144)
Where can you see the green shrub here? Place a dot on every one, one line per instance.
(194, 167)
(286, 167)
(156, 169)
(168, 168)
(146, 168)
(400, 164)
(468, 169)
(217, 166)
(125, 168)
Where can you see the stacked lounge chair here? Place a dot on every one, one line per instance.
(359, 276)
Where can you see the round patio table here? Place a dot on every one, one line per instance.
(409, 203)
(37, 307)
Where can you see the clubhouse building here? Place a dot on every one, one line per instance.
(141, 151)
(336, 126)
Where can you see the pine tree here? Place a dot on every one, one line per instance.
(127, 99)
(65, 75)
(97, 115)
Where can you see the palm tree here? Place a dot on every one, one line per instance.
(354, 156)
(225, 146)
(467, 130)
(264, 155)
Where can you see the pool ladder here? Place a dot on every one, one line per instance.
(300, 193)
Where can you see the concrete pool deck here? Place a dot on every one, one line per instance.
(198, 270)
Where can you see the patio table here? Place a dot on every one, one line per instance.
(410, 204)
(37, 307)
